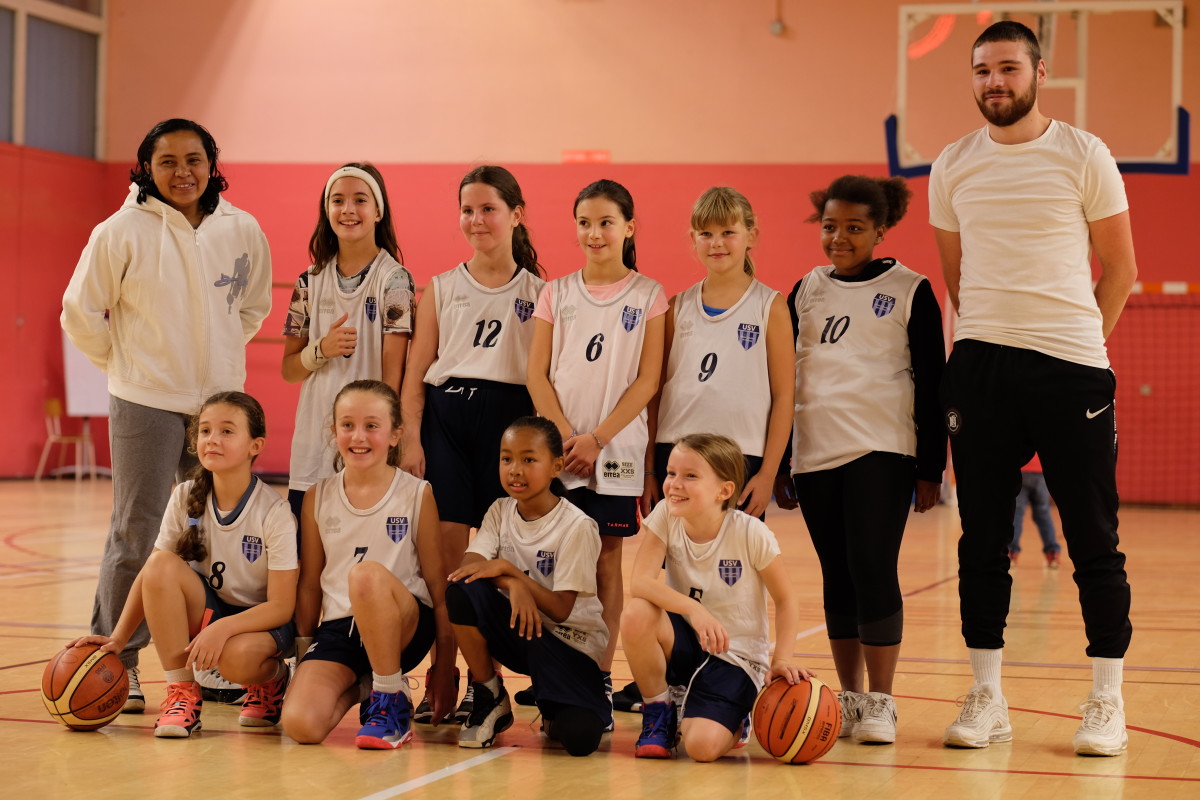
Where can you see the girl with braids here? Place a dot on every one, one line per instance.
(595, 363)
(372, 575)
(868, 432)
(466, 368)
(355, 301)
(219, 589)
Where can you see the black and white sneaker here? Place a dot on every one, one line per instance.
(490, 715)
(463, 712)
(135, 703)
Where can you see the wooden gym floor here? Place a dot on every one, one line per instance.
(51, 537)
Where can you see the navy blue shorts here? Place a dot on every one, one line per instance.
(215, 608)
(721, 691)
(337, 640)
(615, 514)
(562, 675)
(662, 453)
(464, 421)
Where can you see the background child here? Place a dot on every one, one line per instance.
(179, 261)
(706, 628)
(526, 595)
(869, 356)
(466, 371)
(354, 301)
(729, 352)
(371, 568)
(1033, 492)
(220, 587)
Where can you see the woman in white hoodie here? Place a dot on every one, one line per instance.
(164, 299)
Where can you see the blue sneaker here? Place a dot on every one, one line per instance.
(389, 722)
(658, 731)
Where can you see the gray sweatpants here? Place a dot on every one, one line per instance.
(149, 453)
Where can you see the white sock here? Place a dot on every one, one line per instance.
(658, 698)
(985, 666)
(1106, 677)
(389, 684)
(493, 684)
(184, 675)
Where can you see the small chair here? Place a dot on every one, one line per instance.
(85, 447)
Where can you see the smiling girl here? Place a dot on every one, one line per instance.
(371, 573)
(356, 302)
(595, 363)
(868, 432)
(220, 587)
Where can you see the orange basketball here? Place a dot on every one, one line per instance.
(84, 688)
(797, 723)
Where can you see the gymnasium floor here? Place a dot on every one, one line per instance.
(51, 537)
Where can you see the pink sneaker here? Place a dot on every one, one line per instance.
(263, 703)
(180, 711)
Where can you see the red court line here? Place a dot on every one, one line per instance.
(25, 664)
(1004, 771)
(931, 586)
(148, 727)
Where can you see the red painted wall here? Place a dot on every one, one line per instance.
(47, 227)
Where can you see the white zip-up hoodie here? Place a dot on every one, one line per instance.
(182, 303)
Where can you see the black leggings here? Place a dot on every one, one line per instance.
(856, 515)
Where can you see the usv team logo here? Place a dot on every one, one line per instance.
(883, 304)
(372, 308)
(524, 309)
(730, 570)
(397, 528)
(252, 547)
(630, 318)
(748, 335)
(545, 562)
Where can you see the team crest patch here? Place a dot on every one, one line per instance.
(397, 528)
(883, 304)
(372, 306)
(630, 318)
(748, 335)
(730, 570)
(252, 547)
(524, 309)
(545, 562)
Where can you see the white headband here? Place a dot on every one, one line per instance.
(355, 172)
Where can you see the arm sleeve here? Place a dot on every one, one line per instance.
(941, 210)
(544, 309)
(762, 545)
(578, 552)
(658, 521)
(398, 302)
(658, 306)
(1103, 186)
(297, 319)
(174, 521)
(280, 537)
(785, 462)
(487, 540)
(257, 302)
(928, 352)
(95, 287)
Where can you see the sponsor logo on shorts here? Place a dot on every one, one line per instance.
(372, 307)
(730, 570)
(953, 421)
(748, 335)
(523, 308)
(630, 317)
(252, 547)
(545, 562)
(397, 528)
(883, 304)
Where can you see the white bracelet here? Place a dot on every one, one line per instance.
(312, 358)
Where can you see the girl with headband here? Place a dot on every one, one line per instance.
(350, 316)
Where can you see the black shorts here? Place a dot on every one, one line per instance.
(716, 689)
(615, 514)
(460, 432)
(215, 608)
(662, 453)
(562, 675)
(337, 640)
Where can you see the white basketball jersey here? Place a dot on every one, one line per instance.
(723, 576)
(483, 333)
(385, 533)
(312, 446)
(854, 386)
(716, 379)
(597, 348)
(558, 551)
(262, 538)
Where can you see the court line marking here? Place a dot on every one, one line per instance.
(437, 775)
(823, 762)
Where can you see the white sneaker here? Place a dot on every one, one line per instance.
(852, 707)
(878, 722)
(983, 720)
(136, 702)
(1102, 731)
(490, 715)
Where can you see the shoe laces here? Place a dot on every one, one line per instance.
(482, 702)
(134, 681)
(388, 706)
(874, 707)
(973, 704)
(179, 699)
(656, 721)
(1097, 712)
(265, 696)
